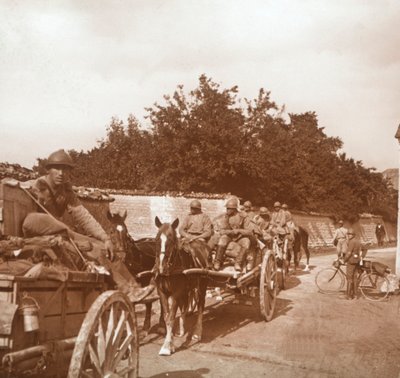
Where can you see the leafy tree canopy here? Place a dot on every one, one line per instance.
(210, 140)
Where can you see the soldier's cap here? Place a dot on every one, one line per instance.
(264, 211)
(340, 222)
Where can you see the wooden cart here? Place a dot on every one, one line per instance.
(75, 328)
(263, 277)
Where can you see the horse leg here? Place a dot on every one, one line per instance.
(147, 318)
(307, 252)
(198, 329)
(161, 321)
(182, 319)
(168, 347)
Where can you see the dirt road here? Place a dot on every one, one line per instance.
(311, 335)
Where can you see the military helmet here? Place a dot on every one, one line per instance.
(58, 158)
(195, 204)
(277, 204)
(351, 231)
(284, 206)
(264, 211)
(232, 203)
(248, 204)
(340, 222)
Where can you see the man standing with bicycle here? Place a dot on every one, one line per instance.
(352, 259)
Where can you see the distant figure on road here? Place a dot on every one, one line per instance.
(380, 233)
(340, 239)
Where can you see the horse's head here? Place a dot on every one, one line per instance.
(167, 245)
(119, 232)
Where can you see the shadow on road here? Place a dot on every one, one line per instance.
(282, 307)
(198, 373)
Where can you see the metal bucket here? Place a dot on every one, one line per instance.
(30, 313)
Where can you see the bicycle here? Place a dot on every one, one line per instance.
(373, 286)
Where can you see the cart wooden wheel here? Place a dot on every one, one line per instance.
(107, 344)
(282, 274)
(268, 285)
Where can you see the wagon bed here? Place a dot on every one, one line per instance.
(69, 315)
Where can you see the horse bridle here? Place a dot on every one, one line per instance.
(163, 251)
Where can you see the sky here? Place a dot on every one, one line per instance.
(68, 67)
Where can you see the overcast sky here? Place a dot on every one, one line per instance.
(67, 67)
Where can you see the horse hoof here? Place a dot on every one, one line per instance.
(209, 294)
(164, 352)
(180, 334)
(196, 338)
(218, 298)
(306, 269)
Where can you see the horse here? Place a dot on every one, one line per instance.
(139, 257)
(173, 285)
(300, 242)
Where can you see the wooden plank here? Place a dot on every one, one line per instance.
(16, 205)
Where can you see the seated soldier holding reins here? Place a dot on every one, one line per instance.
(55, 196)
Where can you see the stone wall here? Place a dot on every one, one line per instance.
(143, 209)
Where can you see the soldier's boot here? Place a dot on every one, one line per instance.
(219, 257)
(239, 260)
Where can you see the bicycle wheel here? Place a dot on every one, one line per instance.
(329, 281)
(374, 287)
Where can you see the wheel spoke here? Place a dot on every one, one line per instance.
(95, 360)
(101, 343)
(110, 326)
(122, 350)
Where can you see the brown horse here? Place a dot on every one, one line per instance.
(300, 243)
(140, 257)
(173, 285)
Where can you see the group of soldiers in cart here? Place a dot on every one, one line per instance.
(233, 232)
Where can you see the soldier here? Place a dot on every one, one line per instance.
(278, 220)
(262, 221)
(352, 260)
(340, 239)
(196, 225)
(289, 220)
(248, 209)
(380, 233)
(235, 233)
(55, 194)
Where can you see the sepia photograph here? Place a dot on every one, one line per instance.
(199, 189)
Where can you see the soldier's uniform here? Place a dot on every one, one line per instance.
(352, 258)
(341, 236)
(263, 225)
(198, 225)
(238, 243)
(57, 200)
(278, 222)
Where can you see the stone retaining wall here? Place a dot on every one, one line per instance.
(143, 209)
